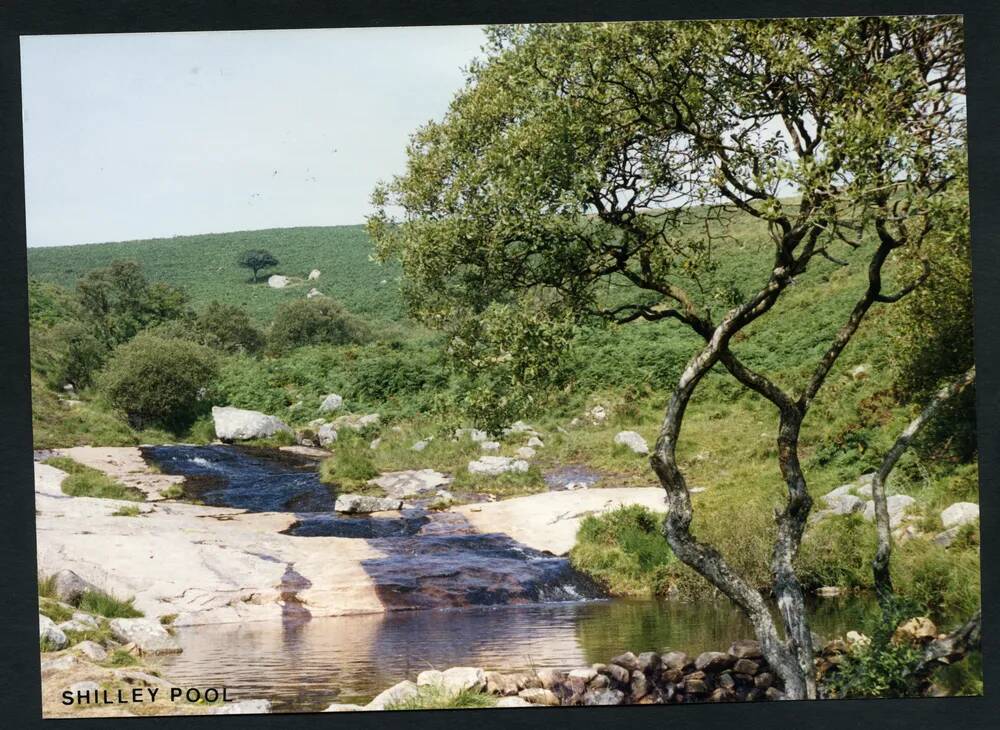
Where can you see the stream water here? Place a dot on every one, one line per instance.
(490, 601)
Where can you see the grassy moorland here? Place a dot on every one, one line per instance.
(401, 371)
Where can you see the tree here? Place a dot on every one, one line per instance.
(227, 328)
(155, 380)
(593, 168)
(318, 321)
(257, 259)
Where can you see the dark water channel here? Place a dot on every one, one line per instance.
(491, 601)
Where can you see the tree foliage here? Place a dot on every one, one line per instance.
(257, 259)
(315, 321)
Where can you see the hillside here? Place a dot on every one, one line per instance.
(205, 267)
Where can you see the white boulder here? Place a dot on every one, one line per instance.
(313, 293)
(277, 281)
(148, 635)
(497, 465)
(357, 422)
(598, 415)
(632, 440)
(401, 692)
(535, 442)
(50, 633)
(454, 680)
(363, 504)
(314, 274)
(403, 484)
(525, 452)
(327, 434)
(490, 445)
(897, 504)
(960, 513)
(330, 403)
(237, 424)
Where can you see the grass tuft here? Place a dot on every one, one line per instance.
(436, 697)
(84, 481)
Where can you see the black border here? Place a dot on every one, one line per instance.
(19, 658)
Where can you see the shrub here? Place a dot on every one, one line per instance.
(351, 465)
(314, 322)
(159, 381)
(837, 551)
(81, 354)
(624, 550)
(227, 328)
(84, 481)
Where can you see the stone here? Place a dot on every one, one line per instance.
(604, 697)
(357, 422)
(632, 440)
(519, 427)
(549, 678)
(586, 674)
(454, 680)
(242, 707)
(410, 483)
(649, 662)
(763, 680)
(397, 693)
(774, 694)
(600, 681)
(313, 275)
(639, 686)
(363, 504)
(844, 504)
(598, 415)
(959, 514)
(92, 650)
(69, 587)
(898, 504)
(726, 681)
(327, 434)
(50, 633)
(746, 666)
(313, 293)
(60, 664)
(238, 424)
(525, 452)
(420, 445)
(860, 372)
(627, 660)
(535, 442)
(947, 537)
(857, 641)
(722, 694)
(673, 676)
(514, 702)
(539, 696)
(618, 673)
(674, 660)
(502, 684)
(343, 707)
(713, 661)
(78, 688)
(474, 434)
(375, 443)
(917, 630)
(829, 591)
(496, 465)
(745, 649)
(277, 281)
(149, 636)
(74, 626)
(489, 445)
(331, 402)
(695, 687)
(864, 491)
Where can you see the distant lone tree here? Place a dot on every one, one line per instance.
(257, 259)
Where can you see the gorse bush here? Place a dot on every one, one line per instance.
(155, 380)
(317, 321)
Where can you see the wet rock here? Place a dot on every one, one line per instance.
(632, 440)
(713, 661)
(960, 513)
(496, 465)
(604, 697)
(69, 587)
(238, 424)
(92, 650)
(539, 696)
(50, 633)
(242, 707)
(331, 402)
(505, 702)
(401, 692)
(745, 649)
(898, 505)
(363, 504)
(148, 635)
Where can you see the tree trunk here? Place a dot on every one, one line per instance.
(952, 648)
(880, 564)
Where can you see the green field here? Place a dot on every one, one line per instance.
(205, 267)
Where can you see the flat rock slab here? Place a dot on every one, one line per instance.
(411, 483)
(549, 521)
(124, 464)
(148, 635)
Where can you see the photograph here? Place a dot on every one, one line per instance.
(502, 366)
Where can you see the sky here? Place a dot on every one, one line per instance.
(147, 135)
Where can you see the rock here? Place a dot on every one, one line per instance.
(674, 660)
(277, 281)
(60, 664)
(50, 633)
(829, 591)
(84, 687)
(327, 434)
(341, 707)
(490, 445)
(627, 660)
(860, 372)
(74, 626)
(330, 403)
(410, 483)
(960, 513)
(746, 666)
(514, 702)
(549, 678)
(474, 434)
(632, 440)
(454, 680)
(898, 505)
(604, 697)
(136, 677)
(313, 293)
(722, 694)
(617, 673)
(713, 661)
(844, 504)
(918, 630)
(586, 674)
(745, 649)
(539, 696)
(639, 686)
(375, 443)
(69, 587)
(148, 635)
(864, 491)
(857, 640)
(242, 707)
(649, 662)
(598, 415)
(502, 684)
(357, 422)
(695, 686)
(763, 680)
(525, 452)
(363, 504)
(313, 275)
(237, 424)
(946, 538)
(401, 692)
(496, 465)
(419, 445)
(92, 650)
(774, 694)
(519, 427)
(535, 442)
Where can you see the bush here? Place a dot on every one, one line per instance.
(351, 465)
(160, 381)
(624, 550)
(315, 321)
(837, 551)
(227, 328)
(84, 481)
(81, 354)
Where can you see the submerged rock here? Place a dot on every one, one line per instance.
(238, 424)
